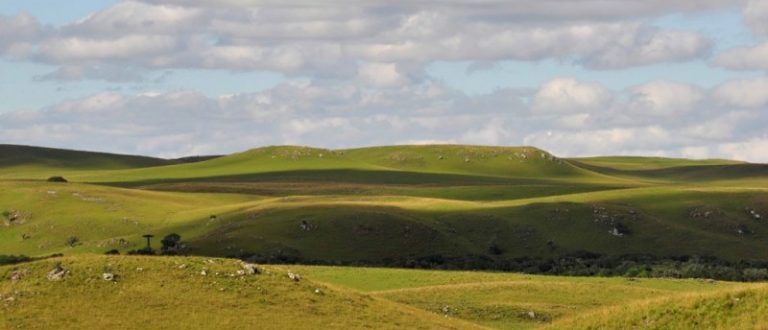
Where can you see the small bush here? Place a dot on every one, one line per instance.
(72, 241)
(112, 252)
(57, 179)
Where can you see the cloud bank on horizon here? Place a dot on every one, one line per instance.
(357, 73)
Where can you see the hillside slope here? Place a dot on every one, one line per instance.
(189, 293)
(396, 164)
(212, 293)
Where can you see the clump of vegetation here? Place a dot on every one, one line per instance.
(57, 179)
(72, 241)
(171, 244)
(112, 252)
(143, 251)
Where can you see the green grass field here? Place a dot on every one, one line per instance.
(442, 206)
(174, 293)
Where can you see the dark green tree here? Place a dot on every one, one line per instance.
(170, 243)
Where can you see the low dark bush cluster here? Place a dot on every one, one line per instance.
(57, 179)
(573, 264)
(10, 260)
(143, 251)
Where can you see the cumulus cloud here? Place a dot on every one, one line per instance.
(537, 9)
(569, 118)
(756, 13)
(18, 35)
(749, 93)
(355, 75)
(744, 58)
(381, 74)
(664, 98)
(569, 95)
(323, 40)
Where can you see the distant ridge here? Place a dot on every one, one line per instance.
(23, 155)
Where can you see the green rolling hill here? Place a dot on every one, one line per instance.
(441, 207)
(450, 205)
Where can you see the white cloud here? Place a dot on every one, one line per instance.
(330, 41)
(756, 13)
(563, 95)
(754, 149)
(18, 34)
(381, 74)
(664, 98)
(348, 114)
(492, 134)
(744, 58)
(620, 140)
(124, 49)
(749, 93)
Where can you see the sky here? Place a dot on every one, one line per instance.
(172, 78)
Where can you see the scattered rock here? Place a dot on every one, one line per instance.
(18, 275)
(294, 276)
(57, 273)
(110, 277)
(249, 268)
(204, 272)
(139, 269)
(183, 266)
(532, 314)
(306, 226)
(317, 291)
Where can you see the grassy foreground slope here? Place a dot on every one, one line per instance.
(172, 293)
(202, 293)
(739, 308)
(516, 301)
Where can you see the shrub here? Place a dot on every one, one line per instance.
(113, 252)
(57, 179)
(171, 244)
(72, 241)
